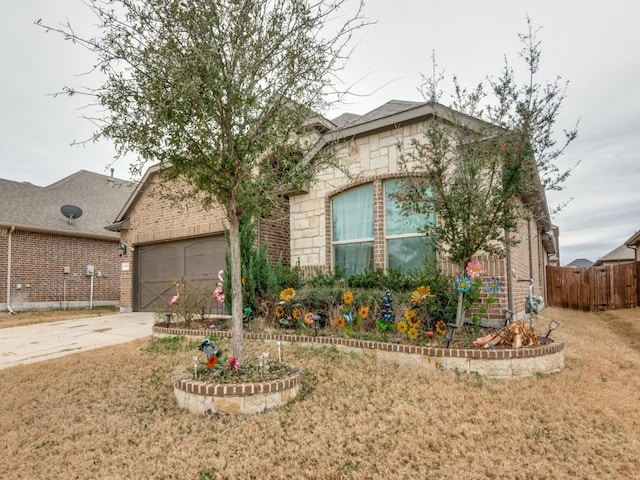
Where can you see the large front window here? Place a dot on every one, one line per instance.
(356, 217)
(352, 214)
(406, 244)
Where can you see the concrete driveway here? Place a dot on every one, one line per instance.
(35, 343)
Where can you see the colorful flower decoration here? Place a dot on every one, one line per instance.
(421, 294)
(211, 352)
(463, 284)
(414, 322)
(208, 348)
(287, 295)
(308, 318)
(402, 326)
(297, 313)
(409, 314)
(363, 312)
(494, 285)
(441, 327)
(387, 320)
(412, 333)
(347, 297)
(474, 269)
(340, 322)
(279, 311)
(212, 361)
(233, 363)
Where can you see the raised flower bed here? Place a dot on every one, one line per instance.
(500, 363)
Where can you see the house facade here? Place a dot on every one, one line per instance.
(342, 220)
(52, 260)
(168, 243)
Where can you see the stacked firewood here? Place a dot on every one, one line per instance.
(515, 335)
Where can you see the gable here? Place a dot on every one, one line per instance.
(33, 208)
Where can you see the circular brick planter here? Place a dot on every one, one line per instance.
(499, 363)
(204, 398)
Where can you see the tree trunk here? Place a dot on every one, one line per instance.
(236, 286)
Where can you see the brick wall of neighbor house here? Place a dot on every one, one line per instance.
(3, 268)
(38, 262)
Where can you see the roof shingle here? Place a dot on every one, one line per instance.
(29, 206)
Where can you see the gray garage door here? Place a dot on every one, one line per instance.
(159, 266)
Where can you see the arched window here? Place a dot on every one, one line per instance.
(359, 213)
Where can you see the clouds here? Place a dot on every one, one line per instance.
(591, 43)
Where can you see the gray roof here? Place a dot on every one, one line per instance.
(390, 108)
(619, 254)
(30, 207)
(580, 263)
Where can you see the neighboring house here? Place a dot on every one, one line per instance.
(620, 254)
(580, 263)
(634, 243)
(46, 257)
(340, 221)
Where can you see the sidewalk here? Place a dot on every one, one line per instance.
(35, 343)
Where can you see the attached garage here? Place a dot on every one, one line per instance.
(195, 262)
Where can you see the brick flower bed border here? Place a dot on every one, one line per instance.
(204, 398)
(498, 363)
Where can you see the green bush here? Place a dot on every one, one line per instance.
(323, 293)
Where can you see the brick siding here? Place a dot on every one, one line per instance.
(37, 271)
(155, 219)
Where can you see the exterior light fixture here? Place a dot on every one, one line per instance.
(552, 326)
(316, 323)
(167, 318)
(122, 249)
(451, 328)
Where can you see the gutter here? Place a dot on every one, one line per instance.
(11, 230)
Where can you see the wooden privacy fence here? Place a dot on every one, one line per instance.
(596, 288)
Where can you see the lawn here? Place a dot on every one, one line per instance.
(110, 414)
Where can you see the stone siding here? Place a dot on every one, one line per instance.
(373, 159)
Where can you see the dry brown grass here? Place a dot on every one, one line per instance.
(110, 414)
(44, 316)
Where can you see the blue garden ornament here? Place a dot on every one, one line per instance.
(387, 320)
(208, 348)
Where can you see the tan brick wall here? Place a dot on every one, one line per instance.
(155, 219)
(37, 271)
(275, 231)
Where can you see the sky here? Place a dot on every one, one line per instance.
(593, 44)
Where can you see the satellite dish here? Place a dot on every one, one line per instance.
(71, 212)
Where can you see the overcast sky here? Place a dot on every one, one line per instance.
(595, 44)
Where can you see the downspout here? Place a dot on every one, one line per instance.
(530, 249)
(509, 275)
(11, 230)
